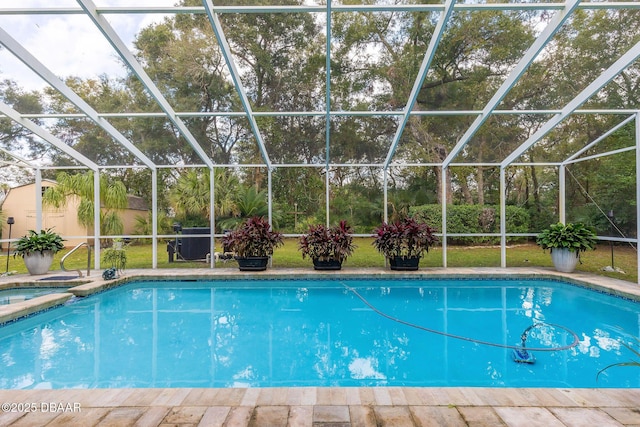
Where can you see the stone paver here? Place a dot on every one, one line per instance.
(394, 416)
(328, 407)
(625, 416)
(239, 416)
(480, 416)
(362, 416)
(530, 417)
(301, 416)
(121, 417)
(88, 417)
(331, 414)
(435, 416)
(584, 417)
(184, 415)
(152, 417)
(273, 416)
(34, 419)
(214, 416)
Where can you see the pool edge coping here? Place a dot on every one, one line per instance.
(608, 285)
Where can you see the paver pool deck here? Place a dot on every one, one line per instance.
(321, 406)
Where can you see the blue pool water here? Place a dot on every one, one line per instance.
(321, 333)
(11, 296)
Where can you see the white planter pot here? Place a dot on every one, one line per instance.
(38, 263)
(564, 260)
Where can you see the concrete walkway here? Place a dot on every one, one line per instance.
(321, 407)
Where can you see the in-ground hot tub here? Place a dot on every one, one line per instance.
(14, 295)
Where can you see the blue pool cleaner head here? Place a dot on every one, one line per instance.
(521, 355)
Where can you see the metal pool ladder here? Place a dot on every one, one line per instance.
(72, 251)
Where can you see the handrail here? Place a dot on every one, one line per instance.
(72, 251)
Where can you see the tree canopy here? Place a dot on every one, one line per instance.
(375, 58)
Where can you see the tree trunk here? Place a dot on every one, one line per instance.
(534, 180)
(439, 154)
(480, 181)
(480, 174)
(436, 153)
(466, 193)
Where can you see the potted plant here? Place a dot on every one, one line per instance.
(253, 243)
(37, 250)
(328, 247)
(116, 258)
(566, 242)
(404, 242)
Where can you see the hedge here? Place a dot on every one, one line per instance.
(473, 219)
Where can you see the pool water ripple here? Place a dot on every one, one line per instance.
(273, 333)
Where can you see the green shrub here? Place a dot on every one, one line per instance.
(473, 219)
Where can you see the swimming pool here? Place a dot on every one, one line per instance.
(272, 333)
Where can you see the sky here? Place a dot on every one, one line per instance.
(69, 45)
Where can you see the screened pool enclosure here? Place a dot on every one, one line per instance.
(440, 102)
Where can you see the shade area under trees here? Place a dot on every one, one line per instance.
(284, 145)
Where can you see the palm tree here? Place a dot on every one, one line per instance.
(250, 203)
(113, 198)
(191, 194)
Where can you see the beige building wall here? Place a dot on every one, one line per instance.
(20, 203)
(128, 217)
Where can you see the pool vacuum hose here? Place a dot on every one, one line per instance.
(520, 353)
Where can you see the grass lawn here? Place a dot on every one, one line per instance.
(139, 256)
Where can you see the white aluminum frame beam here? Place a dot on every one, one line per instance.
(318, 9)
(534, 50)
(333, 113)
(422, 74)
(116, 42)
(571, 159)
(597, 156)
(20, 159)
(34, 64)
(53, 140)
(609, 74)
(47, 136)
(235, 76)
(637, 188)
(327, 130)
(503, 219)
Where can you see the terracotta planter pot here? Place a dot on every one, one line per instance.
(38, 262)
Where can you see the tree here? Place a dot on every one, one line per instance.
(13, 136)
(191, 196)
(250, 203)
(182, 57)
(113, 199)
(375, 58)
(82, 133)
